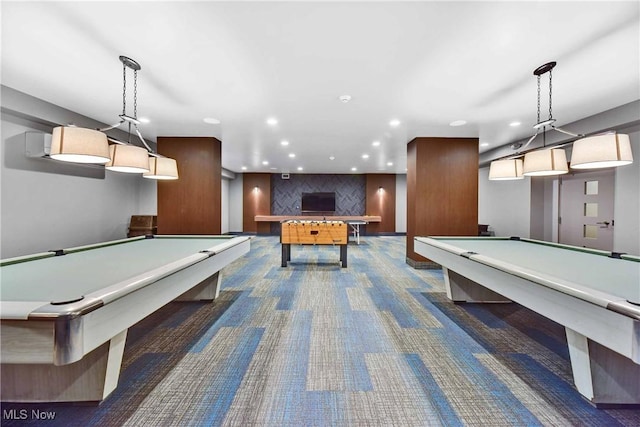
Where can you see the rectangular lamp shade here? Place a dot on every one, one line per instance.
(128, 158)
(545, 162)
(502, 170)
(79, 145)
(601, 151)
(162, 168)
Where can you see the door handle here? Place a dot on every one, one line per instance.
(606, 224)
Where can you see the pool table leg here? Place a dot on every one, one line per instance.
(91, 379)
(601, 375)
(461, 289)
(207, 290)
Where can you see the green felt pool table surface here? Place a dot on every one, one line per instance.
(88, 269)
(590, 268)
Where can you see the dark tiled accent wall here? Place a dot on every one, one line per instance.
(286, 194)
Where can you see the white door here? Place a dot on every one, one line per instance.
(586, 209)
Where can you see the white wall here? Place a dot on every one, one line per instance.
(401, 203)
(41, 211)
(626, 235)
(224, 206)
(235, 204)
(504, 205)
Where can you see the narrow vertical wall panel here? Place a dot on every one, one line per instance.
(191, 204)
(256, 191)
(381, 200)
(442, 190)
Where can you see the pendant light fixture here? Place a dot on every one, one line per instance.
(81, 145)
(545, 162)
(127, 157)
(592, 152)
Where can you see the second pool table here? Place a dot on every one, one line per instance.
(594, 294)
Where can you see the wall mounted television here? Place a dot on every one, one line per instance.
(318, 202)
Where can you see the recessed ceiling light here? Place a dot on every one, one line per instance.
(389, 163)
(394, 123)
(365, 156)
(273, 169)
(458, 123)
(272, 121)
(354, 169)
(264, 162)
(284, 142)
(375, 143)
(514, 124)
(484, 144)
(345, 98)
(292, 155)
(332, 158)
(211, 121)
(299, 168)
(143, 120)
(244, 168)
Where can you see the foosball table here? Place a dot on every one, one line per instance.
(313, 233)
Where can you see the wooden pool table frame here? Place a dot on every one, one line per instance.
(603, 331)
(73, 352)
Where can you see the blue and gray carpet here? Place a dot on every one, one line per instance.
(313, 344)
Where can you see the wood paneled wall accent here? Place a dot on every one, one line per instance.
(256, 193)
(381, 200)
(191, 204)
(442, 190)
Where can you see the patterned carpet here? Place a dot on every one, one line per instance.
(374, 344)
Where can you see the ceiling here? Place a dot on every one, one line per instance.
(425, 64)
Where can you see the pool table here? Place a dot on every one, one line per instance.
(594, 294)
(64, 314)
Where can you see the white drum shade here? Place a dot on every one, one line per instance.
(162, 168)
(601, 151)
(128, 158)
(545, 162)
(503, 170)
(79, 145)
